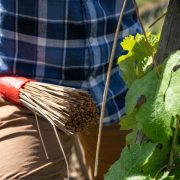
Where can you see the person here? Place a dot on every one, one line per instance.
(64, 42)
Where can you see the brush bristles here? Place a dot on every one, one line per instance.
(71, 110)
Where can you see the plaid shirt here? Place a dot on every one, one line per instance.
(66, 42)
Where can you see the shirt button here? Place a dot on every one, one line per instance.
(91, 40)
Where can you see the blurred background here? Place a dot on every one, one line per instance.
(149, 10)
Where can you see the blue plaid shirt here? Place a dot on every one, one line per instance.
(66, 42)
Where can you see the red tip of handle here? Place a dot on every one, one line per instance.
(10, 86)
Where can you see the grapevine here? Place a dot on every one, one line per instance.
(152, 107)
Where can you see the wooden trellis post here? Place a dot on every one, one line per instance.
(170, 37)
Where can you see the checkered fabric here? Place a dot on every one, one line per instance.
(66, 42)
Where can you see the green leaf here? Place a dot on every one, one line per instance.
(147, 86)
(139, 178)
(136, 62)
(128, 121)
(168, 67)
(155, 120)
(131, 162)
(176, 173)
(155, 115)
(162, 95)
(131, 137)
(172, 94)
(159, 158)
(169, 178)
(128, 71)
(165, 176)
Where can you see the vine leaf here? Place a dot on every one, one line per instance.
(136, 62)
(145, 86)
(162, 100)
(176, 173)
(131, 137)
(165, 176)
(153, 106)
(131, 162)
(172, 96)
(157, 160)
(155, 120)
(128, 122)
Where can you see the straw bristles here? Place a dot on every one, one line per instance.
(69, 109)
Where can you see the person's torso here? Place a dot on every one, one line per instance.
(60, 39)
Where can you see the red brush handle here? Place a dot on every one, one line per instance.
(10, 86)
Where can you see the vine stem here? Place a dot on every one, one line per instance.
(160, 171)
(147, 42)
(106, 88)
(171, 157)
(159, 18)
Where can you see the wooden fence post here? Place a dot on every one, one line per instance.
(170, 36)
